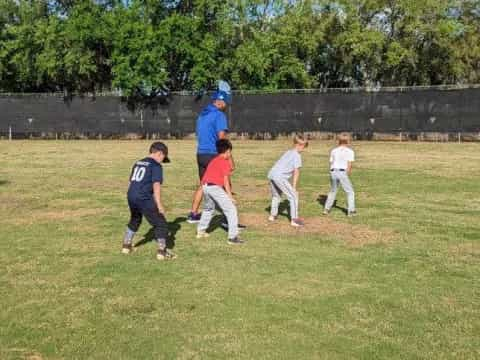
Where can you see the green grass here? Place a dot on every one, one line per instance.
(400, 281)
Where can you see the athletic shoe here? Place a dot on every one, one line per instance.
(193, 218)
(202, 234)
(236, 241)
(165, 254)
(326, 211)
(127, 248)
(272, 218)
(298, 222)
(352, 213)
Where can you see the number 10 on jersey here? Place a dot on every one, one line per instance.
(138, 173)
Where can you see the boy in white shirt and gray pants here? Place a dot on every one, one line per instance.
(341, 159)
(287, 166)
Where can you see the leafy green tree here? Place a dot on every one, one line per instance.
(138, 57)
(152, 45)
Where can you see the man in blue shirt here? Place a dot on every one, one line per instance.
(144, 199)
(211, 127)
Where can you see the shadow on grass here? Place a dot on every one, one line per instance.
(4, 182)
(216, 223)
(173, 227)
(322, 199)
(220, 221)
(283, 209)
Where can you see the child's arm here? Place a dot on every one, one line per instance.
(157, 198)
(227, 186)
(350, 162)
(232, 167)
(349, 168)
(296, 175)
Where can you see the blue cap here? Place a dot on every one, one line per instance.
(222, 95)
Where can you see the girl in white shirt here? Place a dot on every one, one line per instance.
(341, 159)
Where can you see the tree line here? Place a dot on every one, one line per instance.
(79, 46)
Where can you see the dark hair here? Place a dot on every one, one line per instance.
(223, 145)
(158, 146)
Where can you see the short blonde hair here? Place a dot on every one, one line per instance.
(300, 140)
(344, 138)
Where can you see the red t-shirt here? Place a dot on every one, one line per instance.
(216, 171)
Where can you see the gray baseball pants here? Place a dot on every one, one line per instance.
(279, 186)
(216, 195)
(340, 177)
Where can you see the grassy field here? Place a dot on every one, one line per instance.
(399, 281)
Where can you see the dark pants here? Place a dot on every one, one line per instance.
(150, 211)
(203, 160)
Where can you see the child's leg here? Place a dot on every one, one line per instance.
(160, 225)
(333, 192)
(208, 209)
(224, 202)
(291, 194)
(276, 198)
(133, 224)
(348, 188)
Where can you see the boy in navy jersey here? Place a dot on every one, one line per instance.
(144, 199)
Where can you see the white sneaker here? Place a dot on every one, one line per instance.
(165, 254)
(127, 249)
(272, 218)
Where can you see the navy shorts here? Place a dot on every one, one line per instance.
(203, 160)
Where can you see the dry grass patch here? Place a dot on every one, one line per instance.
(34, 357)
(465, 250)
(254, 190)
(352, 234)
(55, 215)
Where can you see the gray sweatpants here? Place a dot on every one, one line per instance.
(212, 195)
(279, 186)
(340, 177)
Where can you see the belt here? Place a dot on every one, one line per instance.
(337, 169)
(211, 184)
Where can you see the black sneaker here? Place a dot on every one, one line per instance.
(352, 213)
(165, 254)
(193, 218)
(127, 249)
(235, 241)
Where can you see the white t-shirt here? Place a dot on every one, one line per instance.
(340, 156)
(284, 167)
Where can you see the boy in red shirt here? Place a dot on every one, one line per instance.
(217, 191)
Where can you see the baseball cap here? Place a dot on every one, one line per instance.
(222, 95)
(160, 146)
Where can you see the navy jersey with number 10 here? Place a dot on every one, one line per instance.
(144, 173)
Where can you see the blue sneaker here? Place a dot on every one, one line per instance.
(193, 218)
